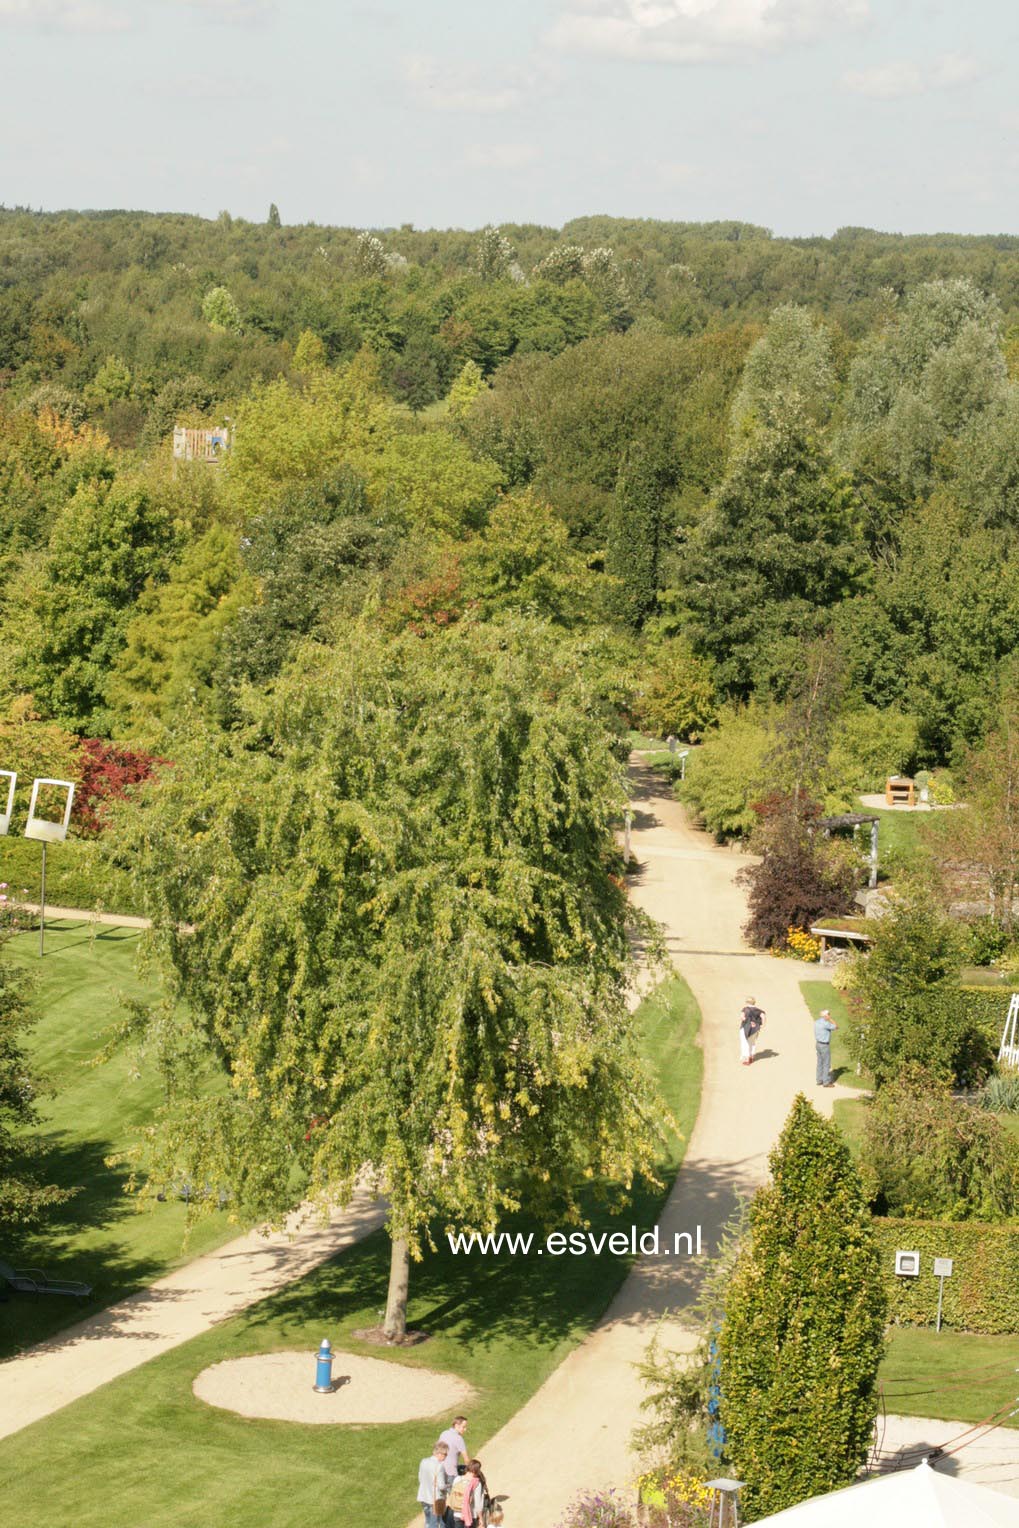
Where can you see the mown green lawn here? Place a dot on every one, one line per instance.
(645, 743)
(821, 994)
(99, 1236)
(850, 1114)
(957, 1375)
(144, 1451)
(901, 839)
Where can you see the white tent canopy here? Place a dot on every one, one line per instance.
(919, 1498)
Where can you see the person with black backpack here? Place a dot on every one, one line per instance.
(750, 1022)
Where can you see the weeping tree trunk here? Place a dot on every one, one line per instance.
(395, 1325)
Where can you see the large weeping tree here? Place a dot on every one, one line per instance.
(386, 905)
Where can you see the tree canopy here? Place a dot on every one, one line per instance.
(388, 902)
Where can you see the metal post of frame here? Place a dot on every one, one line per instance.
(872, 882)
(42, 904)
(943, 1268)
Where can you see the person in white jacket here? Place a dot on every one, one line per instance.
(750, 1020)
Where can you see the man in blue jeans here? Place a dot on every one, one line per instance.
(432, 1487)
(824, 1024)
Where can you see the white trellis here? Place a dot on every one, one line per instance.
(1008, 1051)
(7, 810)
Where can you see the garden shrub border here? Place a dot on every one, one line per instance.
(980, 1295)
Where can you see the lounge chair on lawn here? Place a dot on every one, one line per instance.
(32, 1281)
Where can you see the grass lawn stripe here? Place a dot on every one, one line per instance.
(100, 1236)
(142, 1450)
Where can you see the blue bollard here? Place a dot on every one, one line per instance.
(324, 1369)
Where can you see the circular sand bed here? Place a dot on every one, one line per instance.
(281, 1386)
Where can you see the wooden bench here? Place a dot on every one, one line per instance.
(899, 791)
(825, 931)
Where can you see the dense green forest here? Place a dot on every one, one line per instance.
(690, 449)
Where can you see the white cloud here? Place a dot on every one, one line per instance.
(209, 89)
(122, 15)
(448, 90)
(65, 15)
(695, 31)
(228, 10)
(501, 156)
(675, 172)
(902, 77)
(886, 82)
(953, 69)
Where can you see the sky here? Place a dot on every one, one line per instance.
(801, 115)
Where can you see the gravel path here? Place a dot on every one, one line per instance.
(575, 1431)
(57, 914)
(183, 1305)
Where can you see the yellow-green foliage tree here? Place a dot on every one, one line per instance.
(70, 606)
(287, 436)
(730, 772)
(676, 693)
(35, 749)
(803, 1328)
(469, 385)
(433, 482)
(410, 957)
(523, 560)
(173, 642)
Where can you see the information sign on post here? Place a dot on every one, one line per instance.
(8, 807)
(942, 1271)
(47, 831)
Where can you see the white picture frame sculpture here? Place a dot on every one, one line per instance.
(8, 811)
(44, 828)
(1008, 1050)
(47, 832)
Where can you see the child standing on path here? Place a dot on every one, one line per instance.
(750, 1023)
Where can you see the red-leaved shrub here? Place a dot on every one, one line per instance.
(107, 773)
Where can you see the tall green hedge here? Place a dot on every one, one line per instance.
(980, 1296)
(803, 1327)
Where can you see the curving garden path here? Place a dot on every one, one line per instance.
(574, 1432)
(180, 1306)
